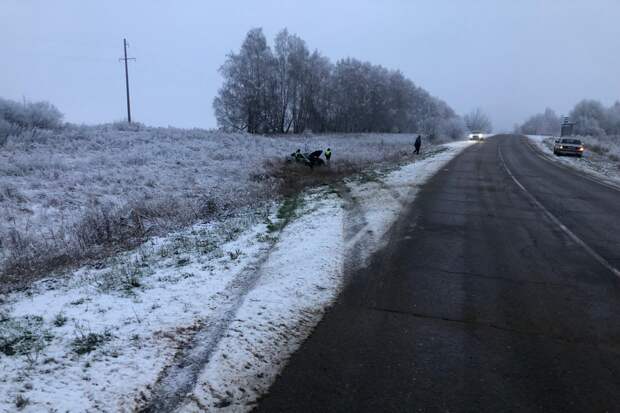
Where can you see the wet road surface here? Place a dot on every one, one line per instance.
(480, 301)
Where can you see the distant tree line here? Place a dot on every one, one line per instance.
(591, 118)
(290, 89)
(546, 123)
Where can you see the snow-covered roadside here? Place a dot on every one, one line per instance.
(100, 340)
(382, 198)
(301, 279)
(592, 163)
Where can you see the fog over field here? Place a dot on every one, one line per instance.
(512, 59)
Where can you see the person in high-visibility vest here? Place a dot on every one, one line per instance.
(328, 154)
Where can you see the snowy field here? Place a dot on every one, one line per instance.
(211, 312)
(601, 157)
(84, 192)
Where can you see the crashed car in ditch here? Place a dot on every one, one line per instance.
(568, 146)
(311, 159)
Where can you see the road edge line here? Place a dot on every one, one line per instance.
(556, 221)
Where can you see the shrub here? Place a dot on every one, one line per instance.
(601, 150)
(87, 342)
(6, 129)
(234, 254)
(60, 320)
(24, 336)
(124, 277)
(127, 127)
(21, 401)
(42, 115)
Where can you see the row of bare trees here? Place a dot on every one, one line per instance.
(591, 118)
(290, 89)
(546, 123)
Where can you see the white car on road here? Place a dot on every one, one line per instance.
(476, 136)
(566, 146)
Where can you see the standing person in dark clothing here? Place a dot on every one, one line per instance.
(417, 144)
(298, 155)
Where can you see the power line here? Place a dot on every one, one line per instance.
(125, 59)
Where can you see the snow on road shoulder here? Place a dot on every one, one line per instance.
(301, 278)
(100, 340)
(381, 199)
(602, 167)
(299, 281)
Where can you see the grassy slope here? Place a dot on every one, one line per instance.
(87, 192)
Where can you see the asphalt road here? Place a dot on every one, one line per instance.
(480, 302)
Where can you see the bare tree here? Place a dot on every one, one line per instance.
(613, 119)
(242, 100)
(293, 75)
(478, 121)
(318, 101)
(453, 128)
(283, 51)
(590, 118)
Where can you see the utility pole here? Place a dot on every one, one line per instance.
(125, 59)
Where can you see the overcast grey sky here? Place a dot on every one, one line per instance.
(511, 58)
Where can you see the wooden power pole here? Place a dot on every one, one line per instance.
(125, 59)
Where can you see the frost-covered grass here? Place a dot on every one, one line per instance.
(606, 146)
(288, 301)
(85, 192)
(96, 342)
(601, 157)
(226, 302)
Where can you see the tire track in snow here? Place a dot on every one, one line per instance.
(178, 379)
